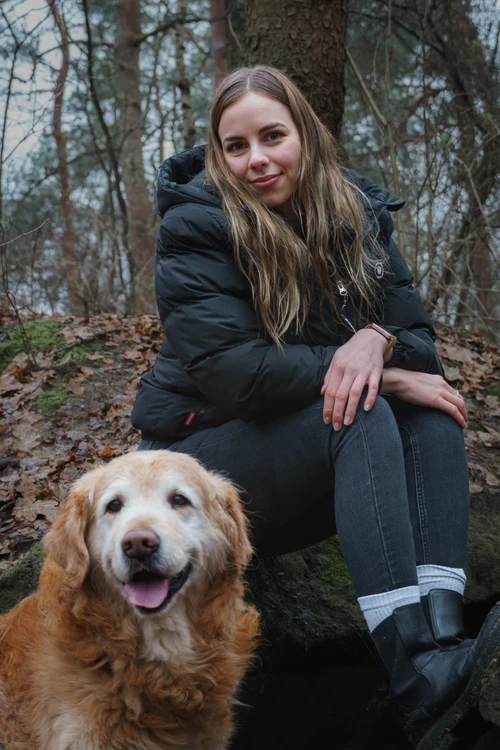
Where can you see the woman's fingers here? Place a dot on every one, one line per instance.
(355, 394)
(459, 403)
(331, 385)
(451, 408)
(373, 386)
(342, 395)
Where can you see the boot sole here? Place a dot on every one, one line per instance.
(455, 725)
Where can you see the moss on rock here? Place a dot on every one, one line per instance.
(51, 398)
(19, 581)
(35, 335)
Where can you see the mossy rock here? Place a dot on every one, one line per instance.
(20, 581)
(79, 354)
(34, 336)
(51, 398)
(483, 563)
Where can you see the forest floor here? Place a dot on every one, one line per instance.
(68, 384)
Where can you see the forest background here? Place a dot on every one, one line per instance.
(95, 94)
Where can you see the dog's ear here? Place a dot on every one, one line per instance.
(65, 542)
(234, 523)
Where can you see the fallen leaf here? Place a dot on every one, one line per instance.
(492, 480)
(28, 507)
(475, 488)
(458, 353)
(490, 439)
(74, 386)
(453, 374)
(26, 433)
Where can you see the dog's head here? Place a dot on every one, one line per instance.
(151, 524)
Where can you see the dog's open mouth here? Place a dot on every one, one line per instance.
(150, 592)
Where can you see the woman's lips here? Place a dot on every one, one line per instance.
(265, 182)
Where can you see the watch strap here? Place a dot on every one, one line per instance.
(391, 339)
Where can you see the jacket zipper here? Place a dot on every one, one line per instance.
(344, 295)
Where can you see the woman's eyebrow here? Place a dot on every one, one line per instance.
(266, 127)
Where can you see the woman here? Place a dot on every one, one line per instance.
(287, 309)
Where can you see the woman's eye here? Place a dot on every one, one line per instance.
(114, 506)
(179, 501)
(234, 148)
(274, 136)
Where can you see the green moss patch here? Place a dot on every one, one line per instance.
(80, 353)
(330, 566)
(51, 398)
(492, 390)
(36, 336)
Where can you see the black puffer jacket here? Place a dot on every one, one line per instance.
(216, 362)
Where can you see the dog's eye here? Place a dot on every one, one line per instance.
(179, 501)
(114, 506)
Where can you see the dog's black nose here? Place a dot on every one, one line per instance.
(140, 543)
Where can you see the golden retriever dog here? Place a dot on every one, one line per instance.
(138, 634)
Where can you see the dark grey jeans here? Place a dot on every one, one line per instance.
(393, 485)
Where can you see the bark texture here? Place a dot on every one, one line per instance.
(219, 38)
(76, 297)
(306, 39)
(235, 28)
(182, 79)
(141, 230)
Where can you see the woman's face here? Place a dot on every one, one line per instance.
(261, 144)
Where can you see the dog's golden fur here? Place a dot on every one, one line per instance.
(82, 668)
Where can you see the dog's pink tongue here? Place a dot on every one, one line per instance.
(148, 594)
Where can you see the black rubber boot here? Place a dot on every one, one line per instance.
(444, 613)
(434, 688)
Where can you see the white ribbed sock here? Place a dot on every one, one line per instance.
(378, 607)
(440, 577)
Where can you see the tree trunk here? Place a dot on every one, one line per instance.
(218, 11)
(141, 231)
(306, 39)
(76, 299)
(235, 32)
(182, 79)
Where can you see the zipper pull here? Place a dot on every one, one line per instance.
(343, 293)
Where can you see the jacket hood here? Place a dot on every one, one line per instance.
(182, 179)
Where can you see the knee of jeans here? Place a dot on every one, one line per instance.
(437, 423)
(380, 411)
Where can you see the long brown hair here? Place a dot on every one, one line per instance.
(276, 260)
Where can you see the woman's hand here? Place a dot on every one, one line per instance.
(354, 365)
(425, 390)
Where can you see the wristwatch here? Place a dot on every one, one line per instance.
(391, 340)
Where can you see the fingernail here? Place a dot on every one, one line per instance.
(347, 420)
(327, 420)
(337, 426)
(368, 407)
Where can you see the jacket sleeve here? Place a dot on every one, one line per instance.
(404, 314)
(214, 330)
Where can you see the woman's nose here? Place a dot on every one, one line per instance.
(257, 158)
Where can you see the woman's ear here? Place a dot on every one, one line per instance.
(65, 542)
